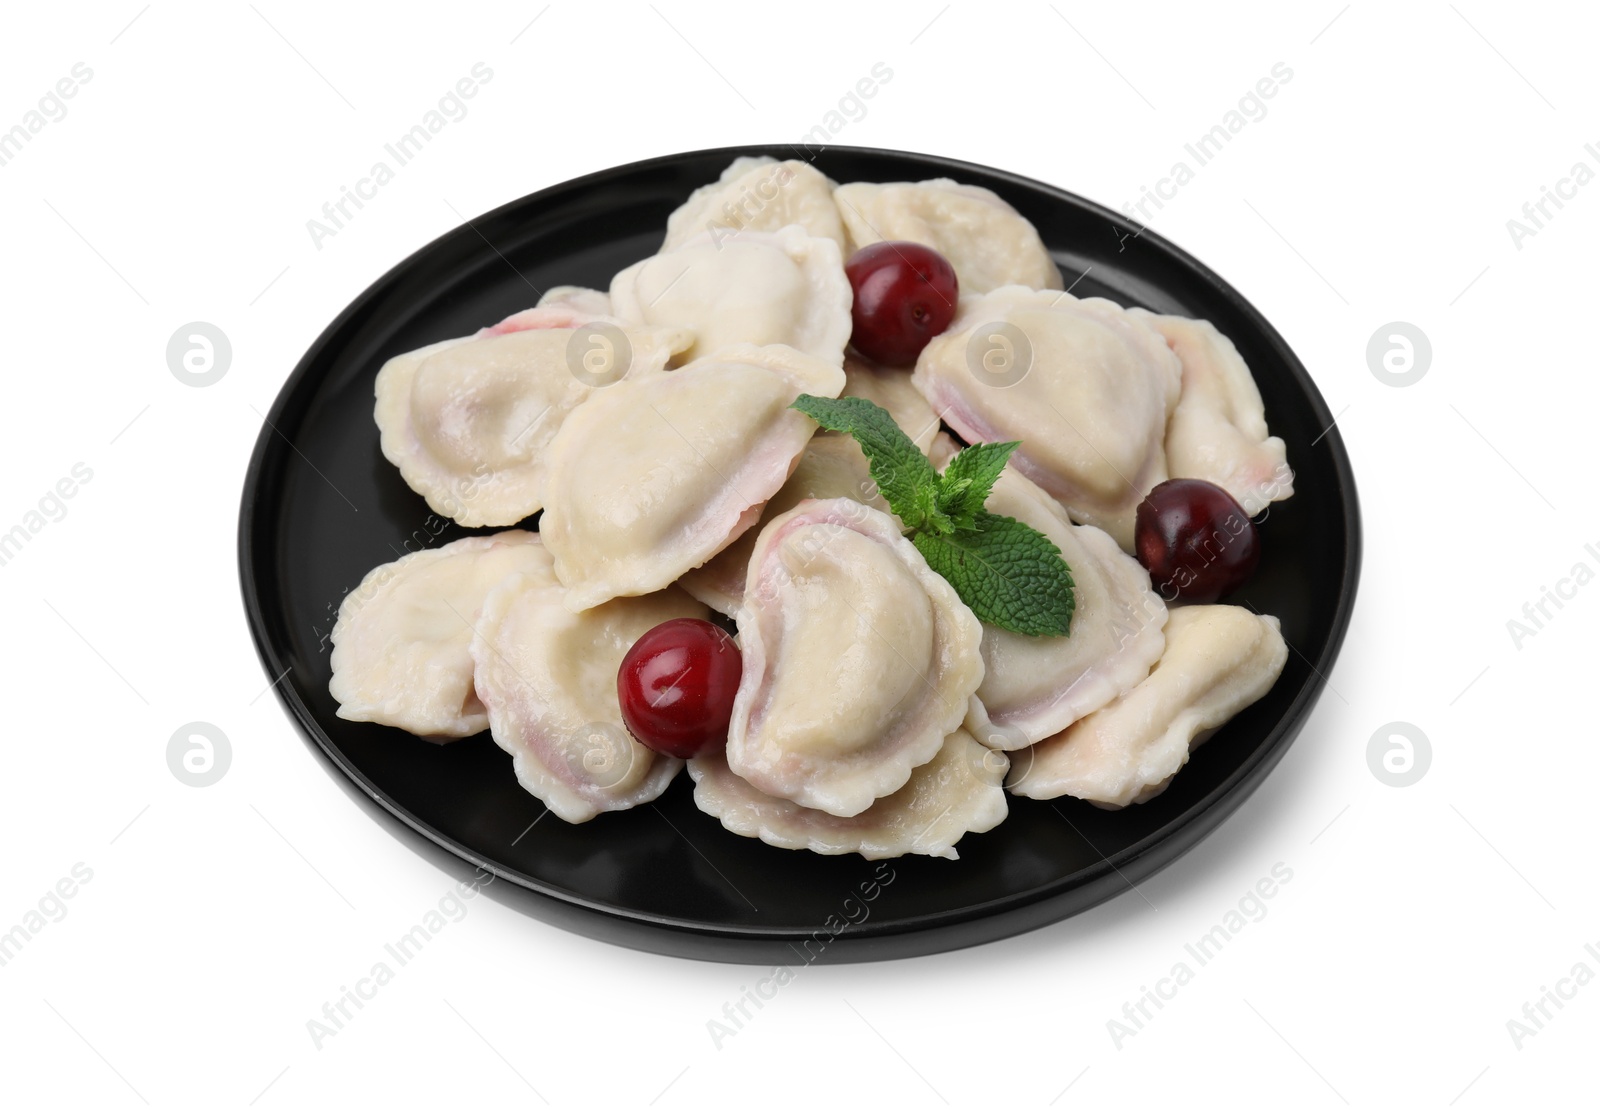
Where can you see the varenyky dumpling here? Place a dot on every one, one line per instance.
(832, 466)
(759, 287)
(400, 644)
(468, 420)
(988, 242)
(1219, 429)
(759, 194)
(548, 678)
(858, 659)
(1218, 660)
(1035, 686)
(1085, 386)
(579, 298)
(957, 792)
(656, 474)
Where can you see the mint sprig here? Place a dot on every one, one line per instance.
(1008, 574)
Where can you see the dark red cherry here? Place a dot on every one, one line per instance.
(1196, 541)
(905, 294)
(676, 687)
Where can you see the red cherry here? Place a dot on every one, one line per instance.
(1196, 541)
(676, 687)
(905, 294)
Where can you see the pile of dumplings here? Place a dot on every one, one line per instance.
(650, 424)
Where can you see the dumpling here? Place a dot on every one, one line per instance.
(1085, 386)
(1219, 659)
(988, 242)
(759, 194)
(578, 298)
(467, 420)
(832, 466)
(400, 643)
(955, 793)
(755, 287)
(656, 474)
(892, 391)
(858, 659)
(1035, 686)
(1219, 429)
(548, 678)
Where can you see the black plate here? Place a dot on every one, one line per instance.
(666, 877)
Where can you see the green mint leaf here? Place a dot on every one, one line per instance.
(903, 473)
(1009, 575)
(927, 510)
(968, 478)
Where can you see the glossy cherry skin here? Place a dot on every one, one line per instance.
(1196, 541)
(676, 687)
(905, 294)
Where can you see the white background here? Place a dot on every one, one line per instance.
(1418, 921)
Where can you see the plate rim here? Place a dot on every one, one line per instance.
(867, 941)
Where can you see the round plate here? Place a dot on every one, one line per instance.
(666, 877)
